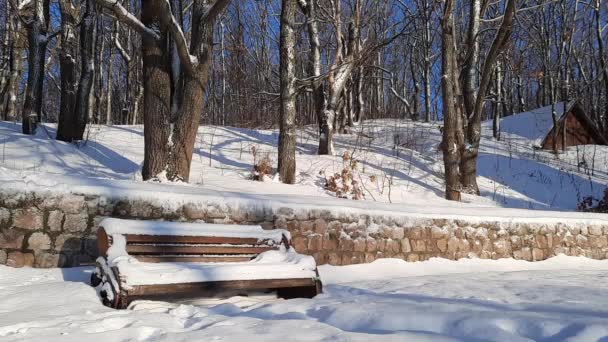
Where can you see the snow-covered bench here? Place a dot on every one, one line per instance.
(170, 260)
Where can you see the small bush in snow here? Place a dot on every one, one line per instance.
(262, 167)
(591, 204)
(344, 184)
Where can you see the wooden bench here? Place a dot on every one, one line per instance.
(168, 260)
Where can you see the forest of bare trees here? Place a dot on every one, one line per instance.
(174, 64)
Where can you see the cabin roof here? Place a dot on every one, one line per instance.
(533, 125)
(536, 125)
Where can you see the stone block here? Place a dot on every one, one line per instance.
(3, 257)
(286, 212)
(398, 233)
(267, 225)
(413, 257)
(330, 244)
(370, 257)
(320, 258)
(315, 243)
(334, 259)
(67, 243)
(442, 245)
(360, 245)
(371, 245)
(5, 216)
(418, 245)
(214, 212)
(194, 212)
(19, 259)
(320, 226)
(541, 241)
(415, 233)
(453, 243)
(11, 238)
(300, 244)
(71, 204)
(406, 247)
(307, 227)
(39, 241)
(393, 246)
(28, 219)
(598, 241)
(75, 223)
(346, 244)
(502, 248)
(55, 221)
(595, 230)
(380, 245)
(538, 254)
(280, 223)
(439, 233)
(49, 260)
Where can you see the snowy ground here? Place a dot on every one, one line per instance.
(398, 162)
(563, 298)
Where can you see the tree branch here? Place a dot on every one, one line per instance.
(126, 17)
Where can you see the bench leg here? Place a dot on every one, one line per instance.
(108, 289)
(300, 292)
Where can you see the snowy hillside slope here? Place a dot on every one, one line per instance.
(533, 126)
(558, 299)
(398, 162)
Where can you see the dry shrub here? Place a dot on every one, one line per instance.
(262, 167)
(344, 184)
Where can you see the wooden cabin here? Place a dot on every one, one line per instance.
(573, 128)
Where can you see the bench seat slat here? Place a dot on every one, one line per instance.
(197, 288)
(160, 239)
(186, 249)
(181, 258)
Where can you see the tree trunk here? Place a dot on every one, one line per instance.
(603, 63)
(109, 86)
(14, 71)
(37, 41)
(314, 58)
(195, 84)
(157, 91)
(66, 128)
(452, 127)
(287, 135)
(472, 62)
(468, 163)
(87, 70)
(499, 107)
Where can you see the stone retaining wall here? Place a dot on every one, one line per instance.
(59, 230)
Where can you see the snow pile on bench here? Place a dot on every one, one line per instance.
(115, 226)
(268, 265)
(276, 264)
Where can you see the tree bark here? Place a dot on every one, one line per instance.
(287, 135)
(14, 56)
(452, 126)
(66, 128)
(468, 167)
(314, 57)
(37, 41)
(157, 90)
(87, 70)
(195, 85)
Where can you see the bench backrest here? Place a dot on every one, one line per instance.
(173, 248)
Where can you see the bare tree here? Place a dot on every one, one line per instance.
(287, 124)
(35, 16)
